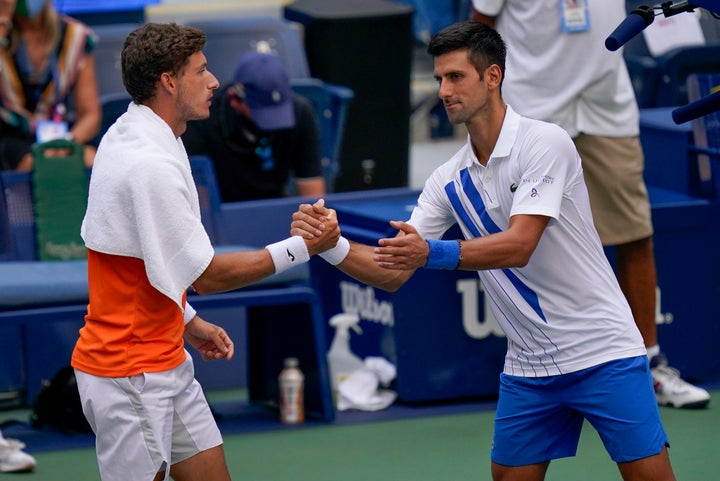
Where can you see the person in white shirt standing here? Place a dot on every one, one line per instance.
(517, 191)
(562, 73)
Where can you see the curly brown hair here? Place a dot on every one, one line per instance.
(153, 49)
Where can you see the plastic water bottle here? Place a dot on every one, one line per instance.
(292, 380)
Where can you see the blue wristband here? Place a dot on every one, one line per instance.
(444, 254)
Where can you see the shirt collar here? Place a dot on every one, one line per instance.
(508, 134)
(505, 141)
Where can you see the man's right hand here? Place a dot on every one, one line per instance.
(309, 220)
(318, 225)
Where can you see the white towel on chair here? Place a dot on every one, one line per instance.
(143, 202)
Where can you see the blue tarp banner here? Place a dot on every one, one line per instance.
(100, 6)
(431, 16)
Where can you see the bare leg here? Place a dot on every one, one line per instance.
(638, 279)
(208, 465)
(531, 472)
(652, 468)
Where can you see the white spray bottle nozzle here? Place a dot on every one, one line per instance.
(341, 360)
(345, 321)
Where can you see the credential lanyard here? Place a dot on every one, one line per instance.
(574, 15)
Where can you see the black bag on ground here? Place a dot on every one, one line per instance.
(58, 404)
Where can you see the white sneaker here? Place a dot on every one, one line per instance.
(12, 457)
(671, 390)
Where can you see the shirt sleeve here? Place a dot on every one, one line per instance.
(490, 8)
(547, 160)
(432, 216)
(188, 313)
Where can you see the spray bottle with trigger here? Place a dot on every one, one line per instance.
(341, 361)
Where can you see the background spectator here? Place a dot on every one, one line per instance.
(47, 63)
(260, 134)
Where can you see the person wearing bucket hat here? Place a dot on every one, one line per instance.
(262, 81)
(260, 134)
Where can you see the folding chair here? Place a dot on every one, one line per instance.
(330, 102)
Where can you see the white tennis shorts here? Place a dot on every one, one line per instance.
(145, 423)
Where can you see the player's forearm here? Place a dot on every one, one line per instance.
(234, 270)
(360, 265)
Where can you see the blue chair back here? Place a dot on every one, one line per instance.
(330, 103)
(19, 203)
(6, 245)
(675, 66)
(108, 71)
(660, 81)
(229, 38)
(706, 135)
(208, 191)
(113, 106)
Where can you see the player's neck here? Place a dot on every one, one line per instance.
(484, 131)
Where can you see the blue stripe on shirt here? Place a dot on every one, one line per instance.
(475, 199)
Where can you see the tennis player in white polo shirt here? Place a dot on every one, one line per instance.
(517, 191)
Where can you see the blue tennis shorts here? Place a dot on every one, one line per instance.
(540, 419)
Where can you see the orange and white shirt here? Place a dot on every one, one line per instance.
(146, 246)
(130, 327)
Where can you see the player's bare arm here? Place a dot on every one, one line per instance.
(510, 248)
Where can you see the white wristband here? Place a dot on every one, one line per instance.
(189, 312)
(338, 253)
(288, 253)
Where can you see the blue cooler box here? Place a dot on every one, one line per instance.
(438, 332)
(433, 329)
(687, 254)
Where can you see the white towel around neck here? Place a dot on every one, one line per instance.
(143, 202)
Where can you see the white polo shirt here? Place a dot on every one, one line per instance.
(570, 79)
(564, 311)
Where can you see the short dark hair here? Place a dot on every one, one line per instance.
(153, 49)
(484, 44)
